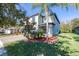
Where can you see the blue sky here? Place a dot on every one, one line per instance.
(62, 13)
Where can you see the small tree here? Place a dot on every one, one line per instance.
(66, 27)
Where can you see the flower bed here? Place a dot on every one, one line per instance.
(52, 40)
(49, 40)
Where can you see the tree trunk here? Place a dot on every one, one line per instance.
(47, 18)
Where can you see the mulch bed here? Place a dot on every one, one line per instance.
(49, 40)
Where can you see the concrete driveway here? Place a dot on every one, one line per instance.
(12, 38)
(9, 39)
(3, 52)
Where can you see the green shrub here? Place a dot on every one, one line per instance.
(76, 38)
(39, 33)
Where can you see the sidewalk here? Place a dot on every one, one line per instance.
(3, 52)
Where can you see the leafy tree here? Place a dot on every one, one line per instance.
(28, 27)
(65, 27)
(75, 22)
(69, 27)
(9, 14)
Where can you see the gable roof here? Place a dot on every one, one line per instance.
(44, 16)
(55, 17)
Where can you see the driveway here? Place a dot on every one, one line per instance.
(3, 52)
(9, 39)
(12, 38)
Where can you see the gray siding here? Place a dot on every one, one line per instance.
(56, 28)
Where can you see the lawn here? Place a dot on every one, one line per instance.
(5, 35)
(2, 35)
(67, 44)
(71, 41)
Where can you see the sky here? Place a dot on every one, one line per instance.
(62, 13)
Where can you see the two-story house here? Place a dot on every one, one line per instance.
(40, 22)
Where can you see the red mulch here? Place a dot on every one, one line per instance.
(50, 40)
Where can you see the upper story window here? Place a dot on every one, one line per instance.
(43, 19)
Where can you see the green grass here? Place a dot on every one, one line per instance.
(22, 48)
(67, 45)
(73, 40)
(4, 35)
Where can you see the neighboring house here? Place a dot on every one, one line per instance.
(7, 31)
(1, 31)
(11, 30)
(76, 30)
(40, 20)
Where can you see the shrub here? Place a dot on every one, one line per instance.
(40, 33)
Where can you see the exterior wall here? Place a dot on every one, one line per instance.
(53, 29)
(36, 21)
(30, 20)
(50, 29)
(56, 28)
(40, 20)
(7, 31)
(51, 19)
(44, 20)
